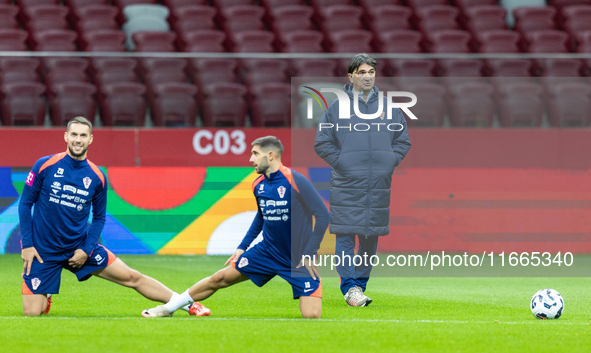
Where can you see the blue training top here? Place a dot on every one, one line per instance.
(286, 203)
(63, 190)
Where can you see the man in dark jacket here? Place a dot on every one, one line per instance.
(363, 153)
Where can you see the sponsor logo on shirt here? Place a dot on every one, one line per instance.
(285, 217)
(280, 203)
(70, 188)
(56, 185)
(30, 179)
(270, 203)
(79, 207)
(262, 203)
(281, 191)
(82, 192)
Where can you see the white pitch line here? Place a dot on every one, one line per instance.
(298, 320)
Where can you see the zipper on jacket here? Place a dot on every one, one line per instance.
(369, 181)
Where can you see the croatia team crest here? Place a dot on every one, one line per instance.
(281, 191)
(87, 182)
(35, 282)
(243, 262)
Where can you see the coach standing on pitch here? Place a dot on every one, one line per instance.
(362, 165)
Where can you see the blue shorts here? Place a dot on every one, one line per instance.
(260, 268)
(45, 278)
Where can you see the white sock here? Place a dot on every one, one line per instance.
(48, 296)
(179, 301)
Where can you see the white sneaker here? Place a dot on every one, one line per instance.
(355, 297)
(159, 311)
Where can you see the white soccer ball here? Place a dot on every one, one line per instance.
(547, 304)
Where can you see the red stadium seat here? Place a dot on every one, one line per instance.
(465, 4)
(561, 68)
(317, 4)
(28, 3)
(123, 104)
(242, 18)
(521, 104)
(261, 71)
(253, 42)
(77, 4)
(8, 15)
(368, 4)
(112, 65)
(313, 67)
(107, 40)
(431, 110)
(272, 4)
(584, 46)
(460, 67)
(472, 104)
(72, 99)
(13, 39)
(219, 4)
(154, 65)
(43, 17)
(412, 67)
(23, 104)
(340, 17)
(55, 40)
(529, 19)
(122, 3)
(174, 105)
(206, 71)
(176, 4)
(570, 105)
(64, 75)
(400, 41)
(421, 3)
(498, 41)
(508, 67)
(302, 42)
(224, 104)
(449, 41)
(437, 17)
(206, 41)
(291, 18)
(388, 17)
(548, 41)
(485, 18)
(350, 41)
(191, 18)
(18, 70)
(271, 104)
(559, 4)
(577, 20)
(96, 17)
(154, 41)
(80, 64)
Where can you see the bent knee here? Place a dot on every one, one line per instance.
(312, 315)
(32, 311)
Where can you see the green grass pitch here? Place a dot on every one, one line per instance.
(425, 314)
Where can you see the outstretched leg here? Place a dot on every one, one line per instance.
(118, 272)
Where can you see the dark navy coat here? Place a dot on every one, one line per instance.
(362, 164)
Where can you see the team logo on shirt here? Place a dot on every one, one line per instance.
(87, 182)
(36, 282)
(281, 191)
(243, 262)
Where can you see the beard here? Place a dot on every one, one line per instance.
(77, 154)
(263, 166)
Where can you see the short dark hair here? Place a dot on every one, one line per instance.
(80, 120)
(269, 142)
(359, 60)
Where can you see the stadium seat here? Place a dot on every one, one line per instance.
(8, 15)
(549, 41)
(302, 42)
(577, 19)
(368, 4)
(153, 65)
(520, 104)
(23, 104)
(43, 17)
(15, 69)
(28, 3)
(460, 67)
(112, 64)
(560, 4)
(269, 5)
(313, 67)
(106, 40)
(350, 41)
(242, 18)
(387, 18)
(317, 4)
(529, 19)
(154, 41)
(175, 104)
(584, 46)
(190, 18)
(508, 67)
(472, 104)
(463, 5)
(219, 4)
(431, 110)
(485, 18)
(55, 40)
(224, 104)
(206, 71)
(411, 68)
(436, 17)
(206, 41)
(449, 41)
(77, 4)
(340, 17)
(561, 67)
(13, 39)
(261, 71)
(253, 42)
(498, 41)
(72, 99)
(400, 41)
(96, 17)
(271, 104)
(291, 18)
(67, 63)
(124, 3)
(510, 5)
(422, 3)
(177, 4)
(151, 18)
(570, 105)
(123, 104)
(64, 75)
